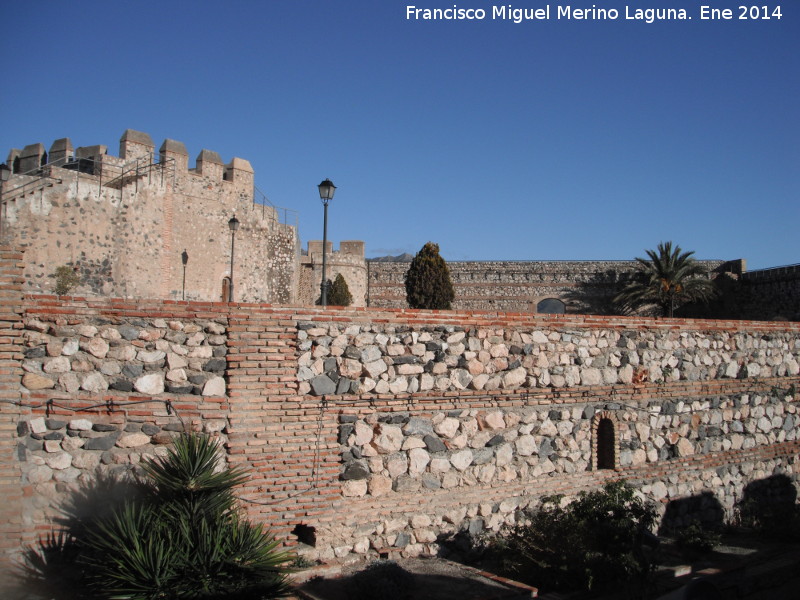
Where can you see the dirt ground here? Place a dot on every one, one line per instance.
(430, 579)
(742, 567)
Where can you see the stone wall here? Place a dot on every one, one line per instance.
(584, 286)
(123, 223)
(698, 409)
(12, 501)
(397, 453)
(150, 356)
(771, 293)
(375, 359)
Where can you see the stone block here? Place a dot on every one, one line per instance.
(215, 386)
(151, 384)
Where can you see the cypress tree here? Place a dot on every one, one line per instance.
(428, 282)
(339, 293)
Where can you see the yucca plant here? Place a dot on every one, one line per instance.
(191, 477)
(184, 537)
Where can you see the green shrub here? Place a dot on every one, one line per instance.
(696, 539)
(182, 538)
(595, 542)
(770, 507)
(777, 521)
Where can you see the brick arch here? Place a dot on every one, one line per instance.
(605, 441)
(535, 300)
(555, 305)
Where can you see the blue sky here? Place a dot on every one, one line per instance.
(542, 140)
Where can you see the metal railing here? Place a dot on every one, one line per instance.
(137, 169)
(109, 175)
(118, 176)
(283, 216)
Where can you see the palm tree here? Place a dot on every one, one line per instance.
(669, 278)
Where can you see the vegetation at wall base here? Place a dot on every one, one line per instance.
(66, 280)
(596, 542)
(182, 536)
(428, 284)
(695, 540)
(773, 522)
(668, 279)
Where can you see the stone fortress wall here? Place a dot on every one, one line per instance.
(771, 293)
(123, 222)
(521, 285)
(368, 430)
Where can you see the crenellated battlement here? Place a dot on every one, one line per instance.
(135, 147)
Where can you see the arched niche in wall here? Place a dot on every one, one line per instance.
(605, 442)
(551, 306)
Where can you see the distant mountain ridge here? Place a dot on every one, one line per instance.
(405, 257)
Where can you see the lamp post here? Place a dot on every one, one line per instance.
(184, 260)
(233, 224)
(5, 173)
(326, 190)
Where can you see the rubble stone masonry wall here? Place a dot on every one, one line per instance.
(777, 288)
(123, 223)
(373, 429)
(517, 285)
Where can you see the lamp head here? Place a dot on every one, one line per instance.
(326, 190)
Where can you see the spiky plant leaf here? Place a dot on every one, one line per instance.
(132, 555)
(192, 465)
(186, 539)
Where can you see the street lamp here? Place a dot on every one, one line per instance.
(326, 190)
(5, 173)
(233, 224)
(184, 260)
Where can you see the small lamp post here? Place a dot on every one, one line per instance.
(184, 260)
(233, 225)
(5, 173)
(326, 190)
